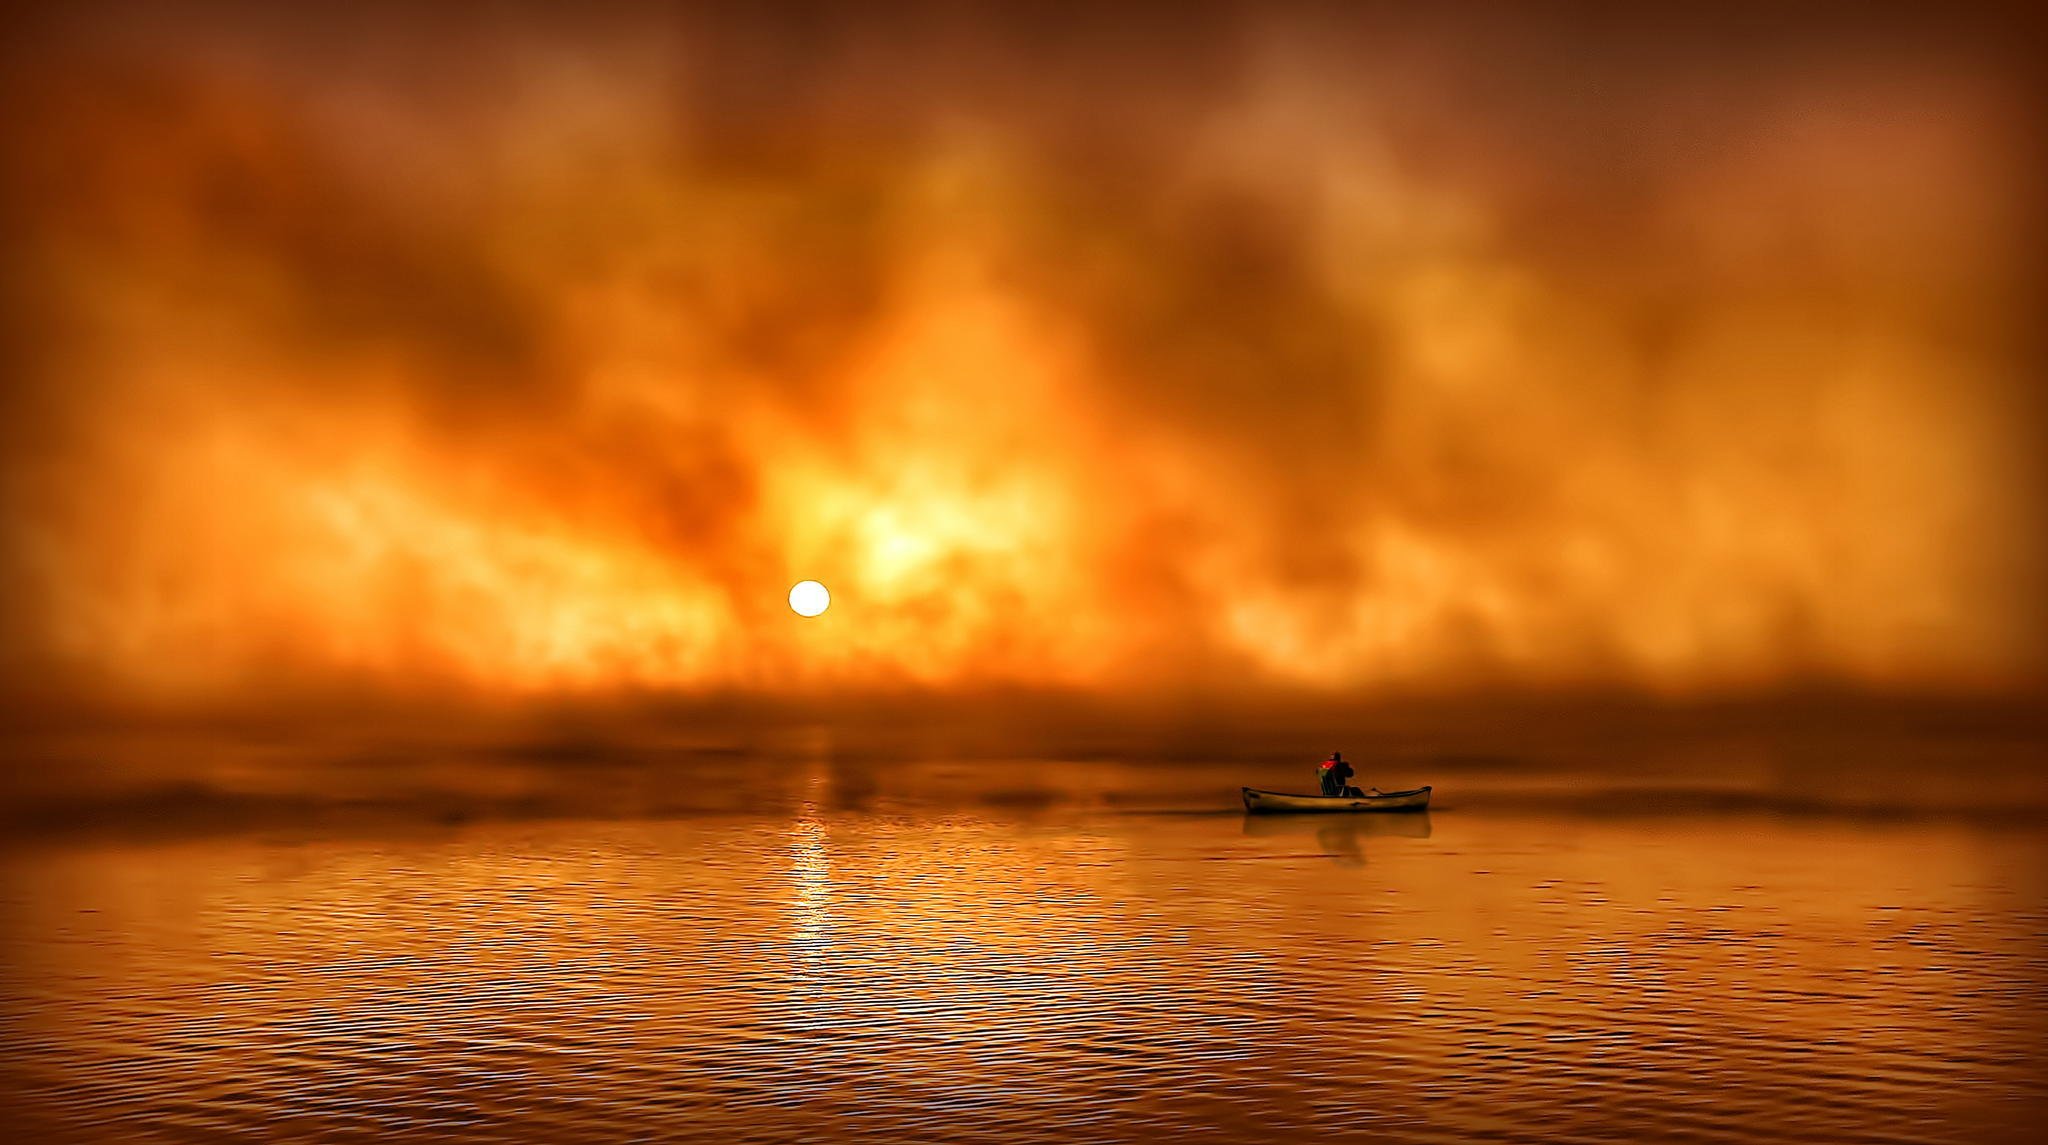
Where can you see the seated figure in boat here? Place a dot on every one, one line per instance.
(1336, 776)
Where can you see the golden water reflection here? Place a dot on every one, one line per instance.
(883, 975)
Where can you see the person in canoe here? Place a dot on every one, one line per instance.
(1336, 776)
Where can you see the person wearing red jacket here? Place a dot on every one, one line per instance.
(1336, 775)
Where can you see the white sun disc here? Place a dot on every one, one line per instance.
(809, 598)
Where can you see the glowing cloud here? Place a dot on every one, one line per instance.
(1290, 354)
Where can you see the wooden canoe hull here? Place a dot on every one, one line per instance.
(1281, 803)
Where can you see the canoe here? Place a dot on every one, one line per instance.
(1281, 803)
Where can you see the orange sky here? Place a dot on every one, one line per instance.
(527, 353)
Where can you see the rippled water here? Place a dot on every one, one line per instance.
(906, 968)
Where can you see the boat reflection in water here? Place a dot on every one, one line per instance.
(1340, 836)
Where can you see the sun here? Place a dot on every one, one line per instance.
(809, 598)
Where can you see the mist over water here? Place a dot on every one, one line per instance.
(1615, 923)
(785, 946)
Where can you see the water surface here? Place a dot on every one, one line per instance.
(875, 954)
